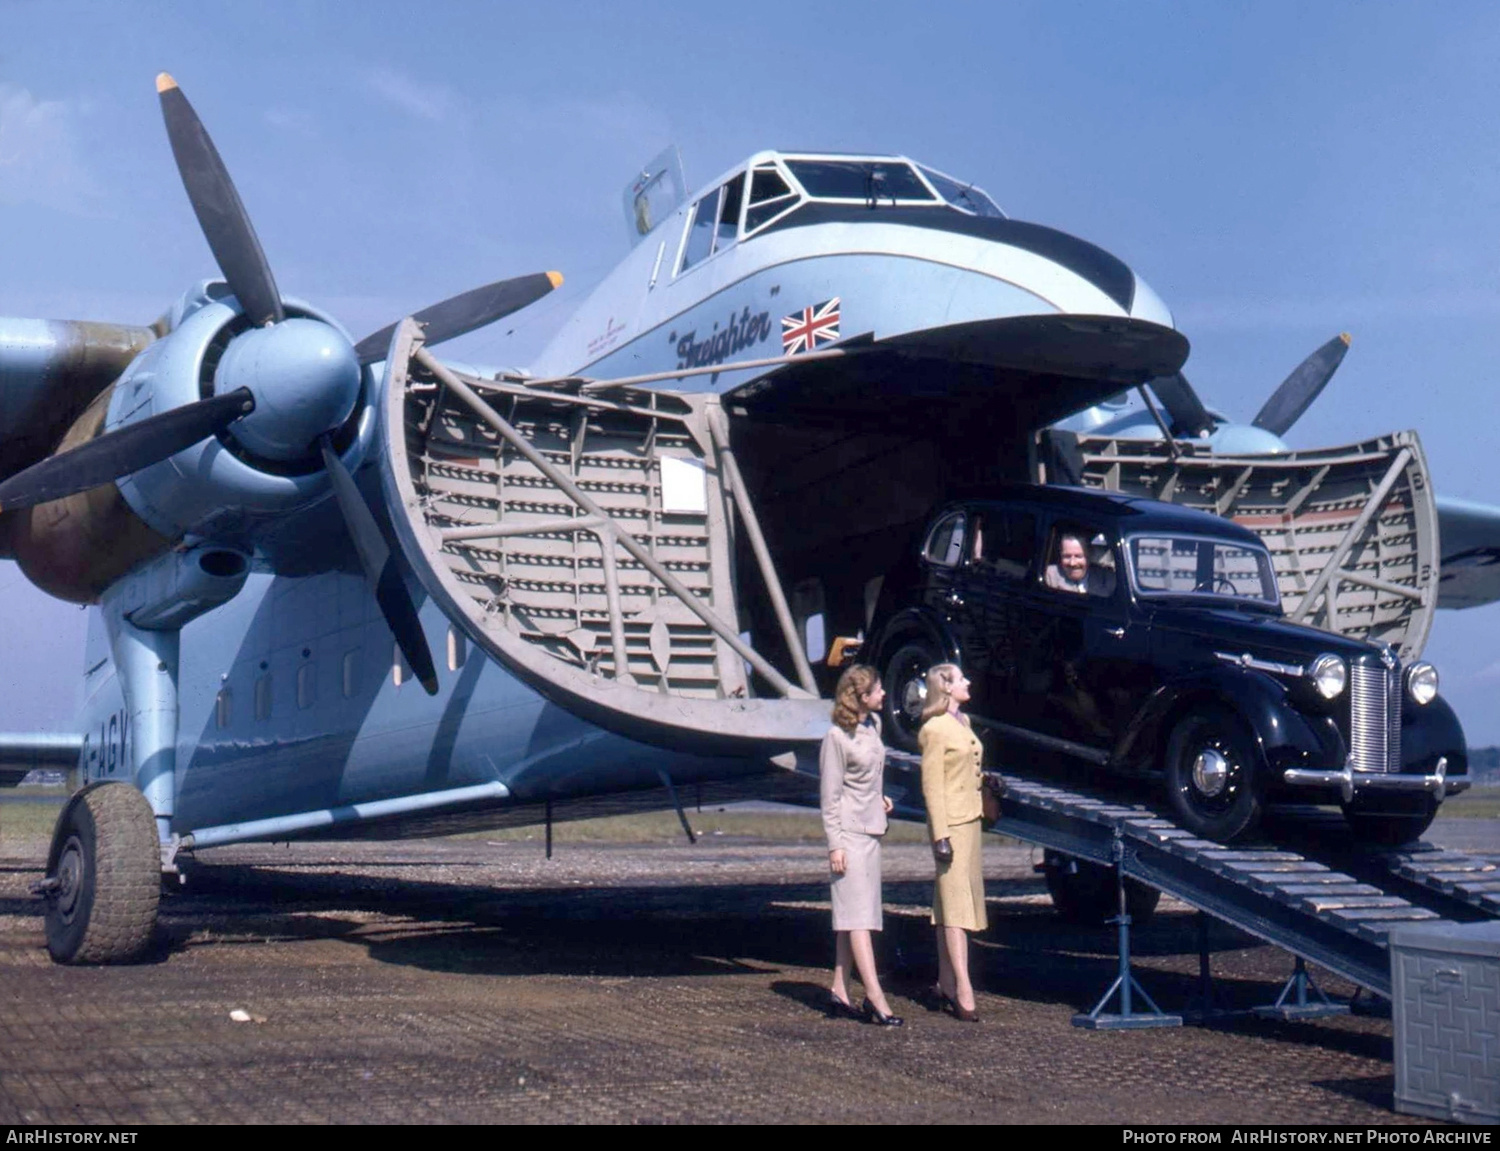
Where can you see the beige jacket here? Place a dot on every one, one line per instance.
(852, 773)
(952, 764)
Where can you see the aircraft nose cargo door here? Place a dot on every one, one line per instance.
(1352, 530)
(584, 541)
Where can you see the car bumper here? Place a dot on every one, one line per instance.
(1348, 781)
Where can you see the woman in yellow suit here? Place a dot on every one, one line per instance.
(952, 770)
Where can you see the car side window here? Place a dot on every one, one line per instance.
(1002, 542)
(945, 544)
(1080, 560)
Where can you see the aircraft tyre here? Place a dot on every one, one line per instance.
(904, 677)
(1210, 772)
(107, 863)
(1390, 828)
(1085, 892)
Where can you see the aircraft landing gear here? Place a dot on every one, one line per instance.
(103, 877)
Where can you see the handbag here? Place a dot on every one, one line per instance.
(991, 789)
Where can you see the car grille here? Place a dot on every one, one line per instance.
(1375, 718)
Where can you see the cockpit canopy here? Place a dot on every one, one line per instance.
(772, 184)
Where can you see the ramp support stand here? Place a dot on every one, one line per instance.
(1205, 1004)
(1125, 983)
(666, 781)
(1302, 1008)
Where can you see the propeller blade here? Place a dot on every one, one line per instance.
(226, 225)
(381, 571)
(465, 312)
(126, 450)
(1301, 388)
(1189, 417)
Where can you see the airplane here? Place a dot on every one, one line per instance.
(627, 556)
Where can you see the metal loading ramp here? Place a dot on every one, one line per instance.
(1352, 530)
(1335, 912)
(584, 539)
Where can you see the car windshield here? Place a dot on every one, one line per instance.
(1202, 566)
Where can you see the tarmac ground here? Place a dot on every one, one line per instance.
(472, 980)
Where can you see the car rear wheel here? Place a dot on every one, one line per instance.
(1085, 892)
(904, 677)
(1210, 769)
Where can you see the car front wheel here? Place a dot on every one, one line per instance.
(1210, 769)
(904, 677)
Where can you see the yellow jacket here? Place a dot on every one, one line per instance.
(952, 764)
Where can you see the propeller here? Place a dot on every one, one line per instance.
(1189, 417)
(1301, 388)
(465, 312)
(119, 453)
(381, 571)
(221, 215)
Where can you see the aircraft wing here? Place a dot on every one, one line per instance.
(25, 752)
(1469, 535)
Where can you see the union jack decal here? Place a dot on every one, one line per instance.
(805, 330)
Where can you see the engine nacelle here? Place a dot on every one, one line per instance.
(227, 487)
(74, 548)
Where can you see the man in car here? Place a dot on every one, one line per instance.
(1072, 571)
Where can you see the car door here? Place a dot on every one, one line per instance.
(1087, 666)
(992, 585)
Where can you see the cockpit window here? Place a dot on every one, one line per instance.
(1198, 565)
(716, 220)
(770, 196)
(965, 197)
(700, 241)
(729, 212)
(870, 181)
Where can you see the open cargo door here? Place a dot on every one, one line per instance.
(584, 541)
(1352, 530)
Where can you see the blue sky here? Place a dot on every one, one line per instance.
(1277, 172)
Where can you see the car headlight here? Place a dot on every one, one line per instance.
(1422, 683)
(1329, 674)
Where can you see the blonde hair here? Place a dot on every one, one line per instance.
(940, 679)
(848, 696)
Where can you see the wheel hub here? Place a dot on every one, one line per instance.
(70, 867)
(1210, 772)
(914, 697)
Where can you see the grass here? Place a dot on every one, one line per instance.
(662, 827)
(1476, 803)
(26, 824)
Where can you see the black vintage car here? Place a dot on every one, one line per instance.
(1147, 638)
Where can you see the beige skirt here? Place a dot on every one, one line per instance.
(856, 893)
(958, 896)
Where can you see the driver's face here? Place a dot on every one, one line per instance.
(1074, 564)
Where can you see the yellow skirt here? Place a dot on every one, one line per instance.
(958, 896)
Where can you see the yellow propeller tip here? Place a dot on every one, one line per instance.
(1347, 338)
(555, 278)
(164, 82)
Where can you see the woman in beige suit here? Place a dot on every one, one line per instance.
(952, 770)
(852, 768)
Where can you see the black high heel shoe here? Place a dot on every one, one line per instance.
(962, 1014)
(875, 1017)
(836, 1008)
